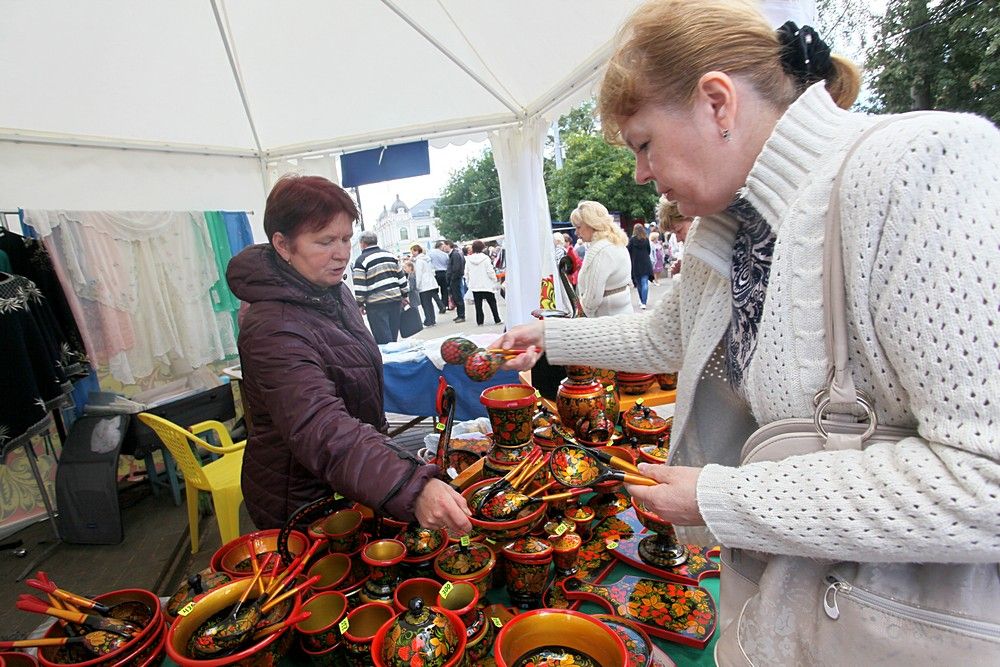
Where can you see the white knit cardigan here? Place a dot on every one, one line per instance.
(606, 266)
(921, 234)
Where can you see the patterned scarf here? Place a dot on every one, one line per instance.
(750, 272)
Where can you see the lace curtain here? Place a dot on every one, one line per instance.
(140, 285)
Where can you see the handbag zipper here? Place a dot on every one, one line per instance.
(836, 585)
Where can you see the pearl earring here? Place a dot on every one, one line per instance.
(727, 135)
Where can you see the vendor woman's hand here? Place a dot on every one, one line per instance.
(528, 337)
(441, 506)
(676, 498)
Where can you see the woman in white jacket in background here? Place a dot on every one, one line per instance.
(605, 276)
(427, 285)
(481, 278)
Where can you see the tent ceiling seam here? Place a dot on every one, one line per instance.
(581, 76)
(361, 142)
(13, 136)
(472, 47)
(224, 33)
(517, 111)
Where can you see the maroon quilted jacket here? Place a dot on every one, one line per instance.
(312, 380)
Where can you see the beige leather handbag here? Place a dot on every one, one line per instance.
(854, 625)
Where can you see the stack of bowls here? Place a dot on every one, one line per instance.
(145, 649)
(233, 557)
(265, 652)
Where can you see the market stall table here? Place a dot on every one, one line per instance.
(411, 387)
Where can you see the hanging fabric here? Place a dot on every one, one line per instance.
(32, 379)
(238, 229)
(27, 257)
(223, 299)
(141, 282)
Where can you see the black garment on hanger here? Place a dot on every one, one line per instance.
(32, 379)
(29, 258)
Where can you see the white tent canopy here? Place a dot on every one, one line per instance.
(312, 75)
(118, 105)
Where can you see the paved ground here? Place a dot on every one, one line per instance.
(155, 553)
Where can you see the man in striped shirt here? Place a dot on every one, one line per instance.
(380, 288)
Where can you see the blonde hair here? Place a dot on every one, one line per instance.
(558, 239)
(596, 216)
(667, 45)
(668, 214)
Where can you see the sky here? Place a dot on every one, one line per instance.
(411, 190)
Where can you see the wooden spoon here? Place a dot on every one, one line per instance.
(576, 466)
(98, 642)
(30, 603)
(130, 611)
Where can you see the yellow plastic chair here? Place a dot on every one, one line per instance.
(221, 477)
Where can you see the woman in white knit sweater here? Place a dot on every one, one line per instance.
(604, 278)
(864, 546)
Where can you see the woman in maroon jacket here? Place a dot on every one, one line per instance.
(312, 373)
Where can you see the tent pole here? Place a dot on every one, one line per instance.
(453, 58)
(224, 34)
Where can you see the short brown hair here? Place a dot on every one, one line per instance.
(667, 45)
(478, 246)
(416, 248)
(304, 203)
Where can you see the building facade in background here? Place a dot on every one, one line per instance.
(399, 226)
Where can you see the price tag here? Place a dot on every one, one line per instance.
(464, 541)
(611, 545)
(610, 388)
(538, 394)
(496, 621)
(446, 590)
(440, 426)
(343, 626)
(338, 496)
(186, 609)
(640, 401)
(561, 528)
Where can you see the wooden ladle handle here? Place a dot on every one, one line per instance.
(642, 480)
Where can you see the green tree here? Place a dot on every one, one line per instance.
(469, 206)
(937, 55)
(594, 169)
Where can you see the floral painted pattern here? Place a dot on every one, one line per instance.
(678, 612)
(553, 656)
(463, 561)
(698, 565)
(637, 642)
(574, 467)
(426, 645)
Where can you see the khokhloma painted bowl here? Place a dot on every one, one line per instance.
(560, 636)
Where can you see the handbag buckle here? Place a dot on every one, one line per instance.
(822, 401)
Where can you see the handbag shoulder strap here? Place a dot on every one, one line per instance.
(840, 389)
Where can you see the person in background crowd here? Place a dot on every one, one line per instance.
(642, 268)
(427, 286)
(656, 256)
(876, 555)
(380, 288)
(581, 249)
(412, 294)
(559, 246)
(575, 258)
(676, 226)
(312, 374)
(456, 274)
(604, 277)
(482, 281)
(439, 259)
